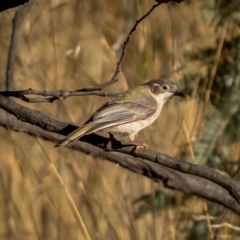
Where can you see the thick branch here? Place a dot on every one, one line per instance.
(174, 173)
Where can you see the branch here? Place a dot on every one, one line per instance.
(51, 96)
(17, 21)
(174, 174)
(134, 28)
(60, 94)
(119, 64)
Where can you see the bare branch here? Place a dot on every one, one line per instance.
(175, 174)
(17, 21)
(134, 28)
(171, 178)
(119, 64)
(51, 96)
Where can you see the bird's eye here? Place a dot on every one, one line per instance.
(165, 87)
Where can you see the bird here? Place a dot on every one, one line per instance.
(128, 113)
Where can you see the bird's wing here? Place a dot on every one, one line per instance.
(111, 114)
(117, 112)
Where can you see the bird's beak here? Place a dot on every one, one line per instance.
(178, 93)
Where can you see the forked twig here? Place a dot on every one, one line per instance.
(50, 96)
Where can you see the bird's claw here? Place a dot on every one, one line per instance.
(141, 146)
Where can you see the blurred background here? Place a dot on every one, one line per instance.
(49, 193)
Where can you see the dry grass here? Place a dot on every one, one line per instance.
(49, 193)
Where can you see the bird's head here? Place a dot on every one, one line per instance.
(162, 89)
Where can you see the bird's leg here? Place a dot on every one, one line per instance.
(110, 140)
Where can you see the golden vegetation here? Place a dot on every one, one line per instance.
(49, 193)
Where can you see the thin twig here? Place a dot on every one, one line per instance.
(51, 96)
(119, 64)
(134, 28)
(17, 21)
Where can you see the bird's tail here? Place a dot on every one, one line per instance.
(79, 132)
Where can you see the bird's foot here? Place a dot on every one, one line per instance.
(142, 145)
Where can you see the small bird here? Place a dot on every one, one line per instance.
(130, 112)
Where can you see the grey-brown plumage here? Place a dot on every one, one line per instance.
(130, 112)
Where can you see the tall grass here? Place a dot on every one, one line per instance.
(49, 193)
